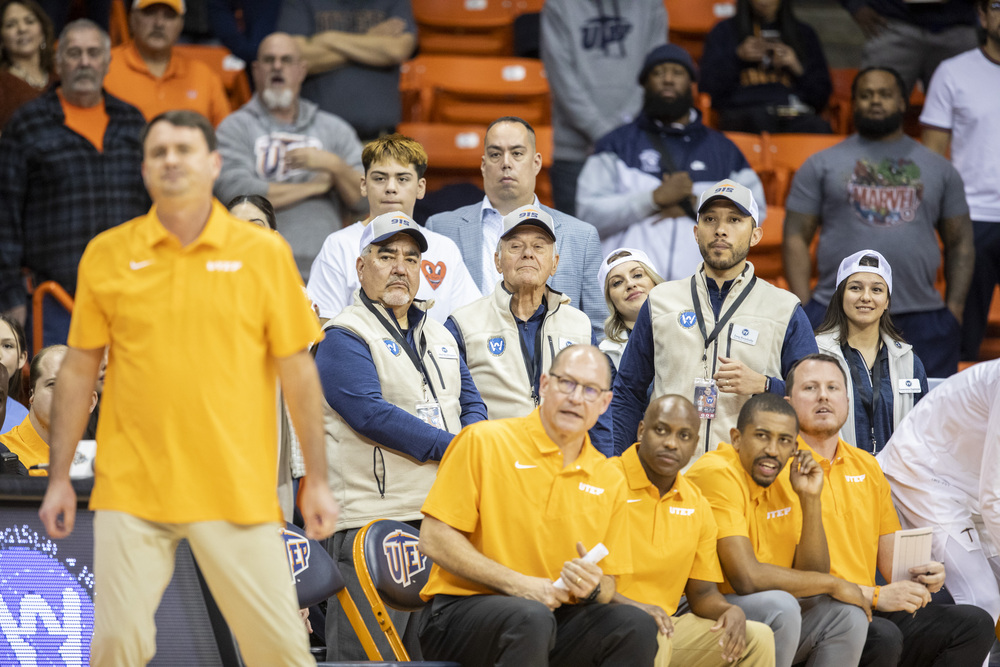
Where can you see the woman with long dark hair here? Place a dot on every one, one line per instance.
(884, 377)
(766, 71)
(27, 48)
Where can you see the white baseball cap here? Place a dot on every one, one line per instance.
(387, 225)
(528, 215)
(852, 265)
(630, 255)
(739, 195)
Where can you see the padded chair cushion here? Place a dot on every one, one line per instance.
(316, 575)
(397, 568)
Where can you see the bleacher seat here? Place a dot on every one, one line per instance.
(787, 153)
(470, 27)
(465, 89)
(690, 21)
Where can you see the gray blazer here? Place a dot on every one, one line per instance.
(577, 243)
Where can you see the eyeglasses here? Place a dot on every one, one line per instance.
(568, 386)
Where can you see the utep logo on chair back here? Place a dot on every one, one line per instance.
(297, 548)
(402, 557)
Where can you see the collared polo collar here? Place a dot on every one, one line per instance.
(838, 459)
(635, 474)
(733, 457)
(589, 457)
(214, 233)
(134, 61)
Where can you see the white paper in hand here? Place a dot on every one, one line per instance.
(910, 548)
(595, 555)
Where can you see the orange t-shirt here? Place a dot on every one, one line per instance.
(89, 122)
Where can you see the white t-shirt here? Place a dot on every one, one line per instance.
(963, 98)
(333, 279)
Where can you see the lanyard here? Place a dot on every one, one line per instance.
(870, 404)
(400, 339)
(532, 363)
(724, 320)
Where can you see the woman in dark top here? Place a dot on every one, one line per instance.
(26, 55)
(766, 71)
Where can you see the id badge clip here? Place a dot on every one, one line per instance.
(430, 413)
(706, 397)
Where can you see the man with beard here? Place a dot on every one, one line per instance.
(880, 189)
(961, 113)
(397, 391)
(304, 160)
(69, 169)
(718, 336)
(148, 73)
(640, 185)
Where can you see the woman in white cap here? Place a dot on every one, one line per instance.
(626, 276)
(858, 331)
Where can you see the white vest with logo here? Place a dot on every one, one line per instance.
(357, 464)
(493, 347)
(679, 347)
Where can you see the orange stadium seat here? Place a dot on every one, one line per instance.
(470, 27)
(230, 69)
(690, 21)
(838, 111)
(465, 89)
(766, 255)
(788, 152)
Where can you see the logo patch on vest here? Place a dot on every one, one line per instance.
(649, 160)
(687, 319)
(496, 345)
(392, 346)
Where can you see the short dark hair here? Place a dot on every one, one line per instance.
(903, 92)
(184, 118)
(263, 203)
(815, 356)
(766, 402)
(512, 119)
(35, 369)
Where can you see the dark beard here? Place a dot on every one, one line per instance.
(876, 128)
(667, 111)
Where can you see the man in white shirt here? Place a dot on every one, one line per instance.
(960, 113)
(393, 182)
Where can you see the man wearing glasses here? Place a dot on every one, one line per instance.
(509, 336)
(515, 506)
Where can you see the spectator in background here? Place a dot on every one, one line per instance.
(509, 336)
(255, 209)
(147, 73)
(353, 51)
(766, 71)
(243, 35)
(884, 377)
(61, 11)
(590, 50)
(640, 185)
(27, 48)
(913, 37)
(510, 165)
(881, 189)
(69, 169)
(305, 161)
(393, 182)
(397, 391)
(626, 276)
(13, 356)
(961, 114)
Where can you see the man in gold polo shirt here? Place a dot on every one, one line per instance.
(201, 312)
(673, 549)
(772, 547)
(860, 522)
(514, 506)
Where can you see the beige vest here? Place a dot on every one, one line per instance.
(900, 368)
(679, 346)
(493, 347)
(357, 464)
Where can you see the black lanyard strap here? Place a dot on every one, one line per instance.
(710, 338)
(870, 405)
(397, 335)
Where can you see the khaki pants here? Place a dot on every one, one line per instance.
(695, 645)
(246, 569)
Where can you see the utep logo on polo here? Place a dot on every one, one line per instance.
(224, 266)
(593, 490)
(46, 605)
(779, 513)
(682, 511)
(392, 346)
(402, 557)
(687, 319)
(496, 345)
(854, 478)
(297, 550)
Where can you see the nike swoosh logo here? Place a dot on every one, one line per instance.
(520, 466)
(634, 500)
(135, 266)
